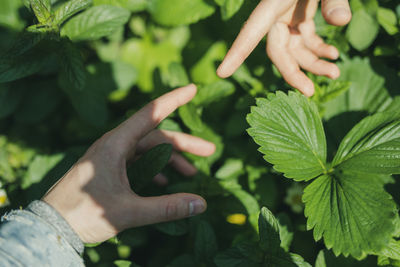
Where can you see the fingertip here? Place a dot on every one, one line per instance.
(190, 171)
(308, 89)
(160, 180)
(335, 73)
(192, 87)
(222, 72)
(197, 206)
(182, 165)
(338, 16)
(211, 148)
(187, 92)
(333, 53)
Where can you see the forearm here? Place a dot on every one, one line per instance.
(38, 236)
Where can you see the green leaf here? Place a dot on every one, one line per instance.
(95, 22)
(70, 8)
(285, 231)
(177, 75)
(10, 98)
(213, 92)
(290, 134)
(149, 165)
(175, 228)
(205, 245)
(146, 56)
(326, 258)
(179, 12)
(203, 71)
(90, 103)
(231, 169)
(320, 261)
(124, 76)
(202, 163)
(388, 20)
(327, 89)
(72, 64)
(230, 8)
(42, 10)
(244, 77)
(392, 250)
(269, 231)
(131, 5)
(351, 211)
(367, 89)
(125, 263)
(285, 260)
(385, 261)
(9, 15)
(24, 42)
(38, 102)
(15, 68)
(39, 167)
(373, 145)
(244, 254)
(246, 199)
(183, 260)
(362, 30)
(190, 117)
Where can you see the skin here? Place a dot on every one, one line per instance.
(292, 43)
(95, 197)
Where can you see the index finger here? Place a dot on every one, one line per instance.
(127, 134)
(256, 27)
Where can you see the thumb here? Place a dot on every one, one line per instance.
(336, 12)
(150, 210)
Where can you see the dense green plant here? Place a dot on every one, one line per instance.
(70, 70)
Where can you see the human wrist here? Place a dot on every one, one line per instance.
(49, 214)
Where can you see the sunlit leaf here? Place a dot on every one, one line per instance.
(288, 129)
(362, 30)
(373, 145)
(179, 12)
(351, 211)
(70, 8)
(95, 22)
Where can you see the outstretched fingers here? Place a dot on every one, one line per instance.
(277, 50)
(315, 43)
(256, 27)
(310, 62)
(181, 142)
(126, 136)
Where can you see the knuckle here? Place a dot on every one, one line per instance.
(171, 210)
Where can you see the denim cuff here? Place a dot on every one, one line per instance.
(53, 218)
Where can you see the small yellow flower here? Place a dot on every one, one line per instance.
(236, 218)
(3, 199)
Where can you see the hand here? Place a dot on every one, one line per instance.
(95, 197)
(292, 42)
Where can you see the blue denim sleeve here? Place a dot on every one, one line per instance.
(38, 236)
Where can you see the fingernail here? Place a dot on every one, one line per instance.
(338, 10)
(340, 15)
(196, 207)
(309, 89)
(221, 71)
(335, 73)
(334, 53)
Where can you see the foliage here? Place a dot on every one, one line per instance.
(72, 69)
